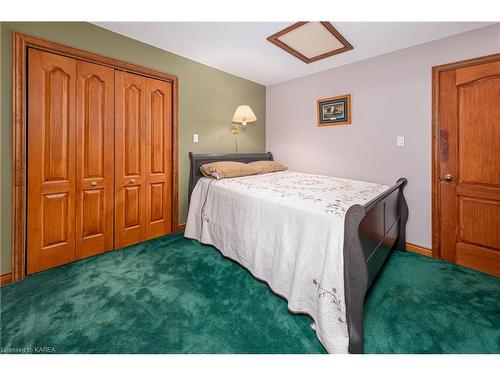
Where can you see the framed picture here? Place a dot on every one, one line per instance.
(334, 111)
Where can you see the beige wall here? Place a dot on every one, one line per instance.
(207, 100)
(391, 96)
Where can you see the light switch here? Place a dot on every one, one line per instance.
(195, 138)
(400, 141)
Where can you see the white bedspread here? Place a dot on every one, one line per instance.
(287, 228)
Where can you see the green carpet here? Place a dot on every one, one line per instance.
(173, 295)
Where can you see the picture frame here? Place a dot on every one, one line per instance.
(334, 111)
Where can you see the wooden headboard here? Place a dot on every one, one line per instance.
(197, 160)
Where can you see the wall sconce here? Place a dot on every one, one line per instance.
(241, 117)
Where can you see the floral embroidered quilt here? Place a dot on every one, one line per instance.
(286, 228)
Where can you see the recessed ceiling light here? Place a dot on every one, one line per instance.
(311, 41)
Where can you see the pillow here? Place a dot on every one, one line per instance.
(227, 169)
(266, 166)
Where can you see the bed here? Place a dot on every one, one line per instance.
(318, 241)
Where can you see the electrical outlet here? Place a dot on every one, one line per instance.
(195, 138)
(400, 141)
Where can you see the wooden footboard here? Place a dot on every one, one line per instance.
(371, 232)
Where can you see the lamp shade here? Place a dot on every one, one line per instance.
(244, 114)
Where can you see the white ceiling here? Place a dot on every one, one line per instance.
(241, 48)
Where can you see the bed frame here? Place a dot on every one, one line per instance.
(371, 231)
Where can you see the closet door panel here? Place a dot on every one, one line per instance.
(95, 159)
(51, 160)
(158, 158)
(130, 158)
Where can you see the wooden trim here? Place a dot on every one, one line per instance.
(60, 49)
(5, 278)
(436, 171)
(418, 249)
(436, 168)
(180, 228)
(175, 154)
(18, 156)
(346, 122)
(346, 45)
(20, 44)
(469, 62)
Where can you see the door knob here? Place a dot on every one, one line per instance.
(448, 178)
(132, 181)
(93, 183)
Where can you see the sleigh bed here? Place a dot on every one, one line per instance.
(221, 212)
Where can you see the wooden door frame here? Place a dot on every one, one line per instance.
(436, 172)
(21, 42)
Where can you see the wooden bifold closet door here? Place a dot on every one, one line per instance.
(143, 133)
(94, 159)
(158, 158)
(51, 160)
(130, 157)
(70, 160)
(98, 161)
